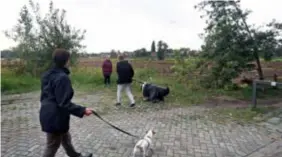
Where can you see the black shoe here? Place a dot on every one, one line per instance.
(118, 104)
(86, 155)
(131, 105)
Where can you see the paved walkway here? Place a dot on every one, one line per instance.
(181, 132)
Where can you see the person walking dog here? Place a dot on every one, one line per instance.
(56, 106)
(107, 71)
(125, 74)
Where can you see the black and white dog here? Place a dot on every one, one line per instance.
(154, 93)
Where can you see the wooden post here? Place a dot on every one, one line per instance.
(254, 97)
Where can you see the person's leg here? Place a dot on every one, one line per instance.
(105, 79)
(119, 90)
(52, 145)
(109, 79)
(129, 94)
(66, 142)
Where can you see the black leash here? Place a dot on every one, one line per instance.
(141, 82)
(97, 115)
(138, 81)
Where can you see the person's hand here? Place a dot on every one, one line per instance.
(88, 111)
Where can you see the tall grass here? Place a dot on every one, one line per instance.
(91, 79)
(15, 83)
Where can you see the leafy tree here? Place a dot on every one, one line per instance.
(229, 42)
(153, 47)
(276, 45)
(141, 53)
(38, 36)
(160, 54)
(162, 49)
(113, 54)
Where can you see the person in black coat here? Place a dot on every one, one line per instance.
(56, 106)
(125, 74)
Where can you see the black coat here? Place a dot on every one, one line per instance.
(56, 105)
(125, 72)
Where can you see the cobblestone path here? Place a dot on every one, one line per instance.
(181, 132)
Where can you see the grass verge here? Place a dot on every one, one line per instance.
(12, 83)
(90, 79)
(240, 115)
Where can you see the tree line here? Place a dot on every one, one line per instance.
(230, 42)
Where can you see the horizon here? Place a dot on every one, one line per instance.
(128, 25)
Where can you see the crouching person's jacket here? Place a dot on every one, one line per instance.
(56, 105)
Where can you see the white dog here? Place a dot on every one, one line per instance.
(145, 144)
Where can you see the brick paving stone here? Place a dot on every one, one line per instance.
(181, 132)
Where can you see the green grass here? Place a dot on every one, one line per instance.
(12, 83)
(245, 93)
(223, 115)
(278, 59)
(91, 80)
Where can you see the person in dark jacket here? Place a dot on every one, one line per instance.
(125, 74)
(56, 106)
(107, 71)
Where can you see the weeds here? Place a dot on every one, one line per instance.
(88, 79)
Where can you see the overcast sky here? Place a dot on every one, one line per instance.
(132, 24)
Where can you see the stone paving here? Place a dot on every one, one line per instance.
(181, 132)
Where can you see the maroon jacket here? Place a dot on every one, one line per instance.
(107, 67)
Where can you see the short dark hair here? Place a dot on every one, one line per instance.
(60, 57)
(120, 57)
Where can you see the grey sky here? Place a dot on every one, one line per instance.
(132, 24)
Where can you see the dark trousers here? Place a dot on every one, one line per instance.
(55, 140)
(107, 79)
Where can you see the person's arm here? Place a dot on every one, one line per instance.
(63, 91)
(117, 68)
(131, 70)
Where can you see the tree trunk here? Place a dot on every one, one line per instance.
(256, 55)
(258, 64)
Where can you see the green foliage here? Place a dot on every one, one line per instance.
(13, 83)
(230, 44)
(113, 54)
(223, 115)
(184, 68)
(88, 78)
(153, 47)
(141, 53)
(162, 49)
(39, 36)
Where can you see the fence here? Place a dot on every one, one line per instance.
(262, 82)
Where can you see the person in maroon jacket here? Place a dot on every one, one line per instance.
(107, 69)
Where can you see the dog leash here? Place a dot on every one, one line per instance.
(138, 81)
(125, 132)
(141, 82)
